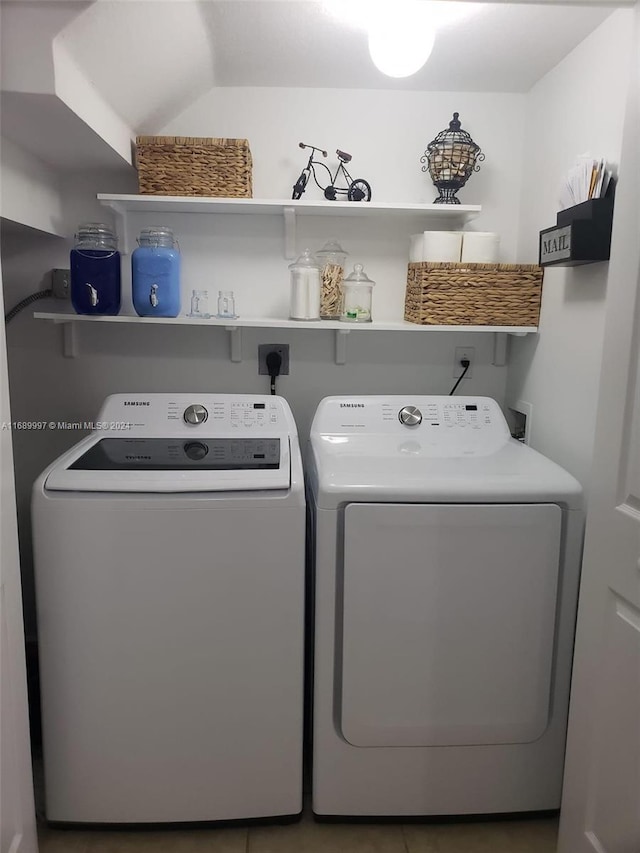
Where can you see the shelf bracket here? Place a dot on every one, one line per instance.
(500, 343)
(69, 340)
(235, 343)
(122, 221)
(290, 233)
(341, 345)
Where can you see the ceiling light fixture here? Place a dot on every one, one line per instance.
(401, 32)
(401, 38)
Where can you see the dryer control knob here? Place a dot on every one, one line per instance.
(195, 415)
(410, 416)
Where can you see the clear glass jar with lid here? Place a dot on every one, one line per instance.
(155, 273)
(358, 291)
(331, 258)
(95, 270)
(305, 287)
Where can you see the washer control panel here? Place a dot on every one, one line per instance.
(199, 415)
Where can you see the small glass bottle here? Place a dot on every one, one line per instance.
(358, 290)
(305, 288)
(95, 270)
(200, 305)
(331, 258)
(155, 274)
(226, 305)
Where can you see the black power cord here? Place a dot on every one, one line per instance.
(28, 300)
(274, 363)
(466, 364)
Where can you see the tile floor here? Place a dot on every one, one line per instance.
(529, 836)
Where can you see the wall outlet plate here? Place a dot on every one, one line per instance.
(463, 352)
(263, 352)
(60, 283)
(520, 418)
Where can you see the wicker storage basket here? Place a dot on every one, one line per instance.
(191, 165)
(473, 294)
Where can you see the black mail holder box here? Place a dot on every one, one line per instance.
(581, 235)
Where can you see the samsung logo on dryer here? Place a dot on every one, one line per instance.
(352, 405)
(137, 403)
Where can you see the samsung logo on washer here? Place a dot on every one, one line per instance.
(137, 403)
(352, 405)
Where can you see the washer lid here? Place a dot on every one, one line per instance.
(180, 443)
(427, 449)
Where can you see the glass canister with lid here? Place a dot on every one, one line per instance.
(155, 273)
(95, 270)
(358, 290)
(305, 287)
(331, 258)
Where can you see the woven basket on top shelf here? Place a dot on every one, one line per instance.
(448, 294)
(195, 166)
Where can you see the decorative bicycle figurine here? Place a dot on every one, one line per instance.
(356, 190)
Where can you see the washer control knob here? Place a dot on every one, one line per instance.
(195, 415)
(195, 450)
(410, 416)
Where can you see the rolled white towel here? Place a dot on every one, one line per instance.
(441, 246)
(480, 247)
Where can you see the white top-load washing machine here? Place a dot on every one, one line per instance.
(169, 561)
(446, 572)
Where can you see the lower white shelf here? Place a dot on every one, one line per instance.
(235, 326)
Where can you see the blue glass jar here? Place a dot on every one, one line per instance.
(155, 274)
(95, 270)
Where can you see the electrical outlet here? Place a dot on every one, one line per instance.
(463, 352)
(520, 415)
(60, 281)
(263, 352)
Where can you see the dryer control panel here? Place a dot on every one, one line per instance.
(403, 415)
(411, 426)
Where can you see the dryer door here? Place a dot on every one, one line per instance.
(448, 623)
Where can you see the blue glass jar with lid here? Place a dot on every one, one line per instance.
(95, 270)
(155, 273)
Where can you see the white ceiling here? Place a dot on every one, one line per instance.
(500, 48)
(147, 58)
(150, 60)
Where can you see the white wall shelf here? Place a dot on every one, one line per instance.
(449, 216)
(234, 327)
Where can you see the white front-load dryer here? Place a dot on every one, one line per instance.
(169, 561)
(446, 562)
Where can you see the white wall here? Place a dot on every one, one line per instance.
(385, 131)
(29, 190)
(17, 812)
(578, 107)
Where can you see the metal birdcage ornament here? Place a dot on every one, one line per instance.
(451, 157)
